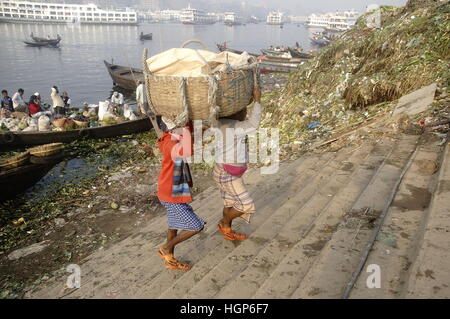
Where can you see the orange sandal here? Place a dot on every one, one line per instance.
(172, 263)
(178, 266)
(231, 235)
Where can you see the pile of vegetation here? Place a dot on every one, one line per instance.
(364, 72)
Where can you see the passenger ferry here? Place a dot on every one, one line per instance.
(232, 18)
(45, 12)
(195, 16)
(276, 18)
(339, 21)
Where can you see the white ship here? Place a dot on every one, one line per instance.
(232, 18)
(44, 12)
(276, 18)
(340, 21)
(195, 16)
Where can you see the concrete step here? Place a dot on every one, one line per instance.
(399, 238)
(285, 278)
(139, 265)
(265, 203)
(228, 265)
(216, 249)
(331, 272)
(131, 249)
(430, 275)
(248, 281)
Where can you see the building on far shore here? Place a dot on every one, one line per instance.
(340, 21)
(276, 18)
(17, 11)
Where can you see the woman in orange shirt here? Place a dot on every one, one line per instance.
(174, 183)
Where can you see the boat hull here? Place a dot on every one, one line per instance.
(14, 139)
(123, 77)
(42, 21)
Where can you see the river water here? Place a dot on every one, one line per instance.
(77, 66)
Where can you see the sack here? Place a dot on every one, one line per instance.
(237, 171)
(102, 109)
(44, 123)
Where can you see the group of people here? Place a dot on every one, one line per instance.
(35, 107)
(175, 181)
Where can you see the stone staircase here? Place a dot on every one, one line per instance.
(313, 222)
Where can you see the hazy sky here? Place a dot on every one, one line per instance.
(318, 6)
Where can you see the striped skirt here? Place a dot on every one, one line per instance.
(233, 192)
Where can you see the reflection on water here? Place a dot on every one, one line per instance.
(77, 66)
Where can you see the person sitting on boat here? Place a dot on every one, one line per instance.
(117, 103)
(57, 101)
(18, 102)
(34, 105)
(35, 108)
(7, 103)
(66, 99)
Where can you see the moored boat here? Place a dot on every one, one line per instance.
(223, 48)
(269, 65)
(148, 36)
(300, 55)
(123, 76)
(13, 139)
(16, 180)
(320, 42)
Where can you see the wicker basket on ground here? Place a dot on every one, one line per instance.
(205, 97)
(15, 161)
(46, 150)
(81, 124)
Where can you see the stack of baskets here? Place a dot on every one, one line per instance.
(224, 93)
(46, 150)
(15, 161)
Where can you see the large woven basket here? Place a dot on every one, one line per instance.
(15, 161)
(46, 150)
(168, 95)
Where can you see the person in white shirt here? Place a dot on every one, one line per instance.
(141, 98)
(231, 163)
(117, 103)
(18, 102)
(57, 101)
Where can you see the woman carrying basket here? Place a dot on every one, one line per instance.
(228, 174)
(174, 193)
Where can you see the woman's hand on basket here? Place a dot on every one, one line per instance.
(257, 94)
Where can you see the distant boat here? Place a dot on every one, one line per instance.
(300, 55)
(278, 65)
(41, 44)
(48, 41)
(223, 48)
(320, 42)
(148, 36)
(123, 76)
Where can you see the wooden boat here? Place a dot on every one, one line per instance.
(320, 42)
(223, 48)
(14, 139)
(300, 55)
(148, 36)
(17, 180)
(273, 52)
(46, 40)
(123, 76)
(271, 66)
(41, 44)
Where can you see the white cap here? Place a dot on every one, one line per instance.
(36, 94)
(169, 123)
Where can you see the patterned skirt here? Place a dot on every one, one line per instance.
(233, 192)
(181, 216)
